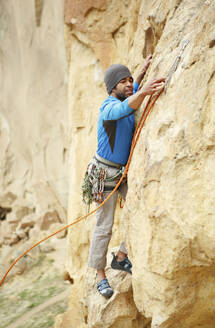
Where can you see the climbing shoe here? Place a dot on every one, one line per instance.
(104, 288)
(124, 265)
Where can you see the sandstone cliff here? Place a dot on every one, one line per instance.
(33, 106)
(169, 213)
(168, 219)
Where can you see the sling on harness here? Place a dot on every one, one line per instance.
(93, 186)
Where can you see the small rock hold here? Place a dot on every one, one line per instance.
(66, 276)
(27, 221)
(3, 212)
(73, 21)
(11, 239)
(47, 248)
(48, 219)
(21, 233)
(58, 226)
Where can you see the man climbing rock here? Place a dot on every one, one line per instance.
(115, 132)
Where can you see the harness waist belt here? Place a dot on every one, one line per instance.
(108, 188)
(106, 161)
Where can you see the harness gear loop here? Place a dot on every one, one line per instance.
(93, 186)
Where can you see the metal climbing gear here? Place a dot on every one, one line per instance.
(93, 186)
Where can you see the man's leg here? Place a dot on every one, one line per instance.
(101, 235)
(120, 260)
(122, 252)
(99, 244)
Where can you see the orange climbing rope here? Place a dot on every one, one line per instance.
(149, 105)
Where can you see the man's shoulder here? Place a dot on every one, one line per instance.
(108, 101)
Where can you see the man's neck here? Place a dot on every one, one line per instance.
(117, 96)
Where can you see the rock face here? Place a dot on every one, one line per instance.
(169, 212)
(33, 103)
(168, 218)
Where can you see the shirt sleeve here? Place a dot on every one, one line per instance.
(135, 87)
(116, 110)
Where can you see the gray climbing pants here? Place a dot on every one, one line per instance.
(104, 222)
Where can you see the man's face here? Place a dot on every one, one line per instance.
(123, 89)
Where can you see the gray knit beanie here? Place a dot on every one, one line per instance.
(114, 74)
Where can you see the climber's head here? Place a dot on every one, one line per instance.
(118, 81)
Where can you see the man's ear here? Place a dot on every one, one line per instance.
(113, 91)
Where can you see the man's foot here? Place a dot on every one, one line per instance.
(124, 265)
(104, 288)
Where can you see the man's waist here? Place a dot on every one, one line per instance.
(107, 162)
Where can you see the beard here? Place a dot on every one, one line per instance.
(121, 95)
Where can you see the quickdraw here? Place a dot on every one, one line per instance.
(93, 186)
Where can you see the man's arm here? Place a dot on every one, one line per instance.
(144, 69)
(116, 109)
(149, 88)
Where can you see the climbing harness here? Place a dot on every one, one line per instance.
(87, 196)
(93, 186)
(148, 107)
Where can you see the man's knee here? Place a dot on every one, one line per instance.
(101, 232)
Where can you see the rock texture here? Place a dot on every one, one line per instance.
(169, 213)
(168, 218)
(33, 104)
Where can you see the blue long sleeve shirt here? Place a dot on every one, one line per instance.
(115, 129)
